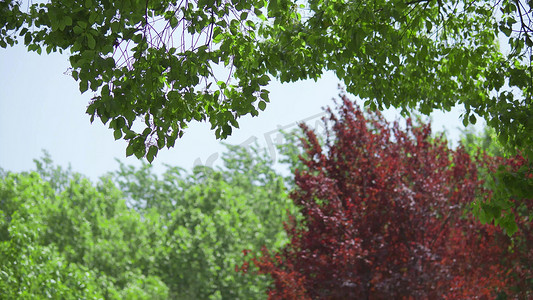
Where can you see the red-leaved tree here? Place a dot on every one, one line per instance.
(385, 217)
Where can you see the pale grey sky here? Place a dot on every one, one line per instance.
(42, 108)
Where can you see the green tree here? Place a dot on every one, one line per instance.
(28, 269)
(509, 179)
(212, 215)
(137, 235)
(484, 142)
(161, 62)
(80, 243)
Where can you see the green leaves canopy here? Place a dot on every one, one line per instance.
(509, 180)
(161, 63)
(152, 61)
(80, 243)
(175, 237)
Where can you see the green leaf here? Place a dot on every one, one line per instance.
(27, 38)
(129, 150)
(68, 21)
(139, 153)
(221, 84)
(92, 18)
(262, 105)
(115, 27)
(506, 30)
(84, 86)
(472, 119)
(117, 134)
(465, 121)
(82, 24)
(23, 31)
(234, 122)
(62, 25)
(77, 30)
(152, 152)
(218, 37)
(90, 41)
(263, 80)
(226, 130)
(147, 131)
(429, 26)
(160, 143)
(264, 95)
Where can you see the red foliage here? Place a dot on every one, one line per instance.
(385, 218)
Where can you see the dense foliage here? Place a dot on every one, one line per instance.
(135, 235)
(157, 65)
(165, 63)
(505, 174)
(385, 216)
(378, 212)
